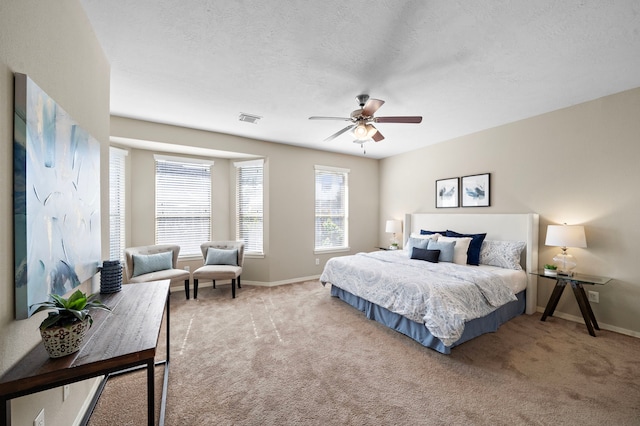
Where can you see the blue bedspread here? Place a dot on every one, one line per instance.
(441, 295)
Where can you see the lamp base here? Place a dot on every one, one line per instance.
(566, 263)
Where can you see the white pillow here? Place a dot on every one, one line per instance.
(433, 237)
(460, 249)
(504, 254)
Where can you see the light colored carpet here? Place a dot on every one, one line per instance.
(294, 355)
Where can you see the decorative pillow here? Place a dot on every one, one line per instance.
(433, 236)
(425, 232)
(146, 263)
(416, 242)
(446, 249)
(425, 254)
(504, 254)
(473, 254)
(460, 250)
(222, 257)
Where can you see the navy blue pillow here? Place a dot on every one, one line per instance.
(424, 254)
(473, 253)
(425, 232)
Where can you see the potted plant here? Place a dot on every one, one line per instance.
(551, 270)
(64, 328)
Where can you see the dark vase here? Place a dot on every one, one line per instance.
(111, 276)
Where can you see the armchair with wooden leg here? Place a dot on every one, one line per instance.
(154, 263)
(222, 261)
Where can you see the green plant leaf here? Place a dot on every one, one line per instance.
(77, 300)
(67, 311)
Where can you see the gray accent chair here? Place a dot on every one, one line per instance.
(174, 274)
(219, 272)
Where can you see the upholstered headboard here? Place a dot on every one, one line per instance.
(508, 227)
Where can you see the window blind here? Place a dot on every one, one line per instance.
(331, 208)
(116, 203)
(183, 204)
(249, 205)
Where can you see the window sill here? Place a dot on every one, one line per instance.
(332, 250)
(254, 255)
(189, 258)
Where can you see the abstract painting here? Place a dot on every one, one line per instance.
(475, 190)
(56, 199)
(447, 193)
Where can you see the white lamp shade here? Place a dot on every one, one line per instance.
(393, 226)
(566, 236)
(363, 132)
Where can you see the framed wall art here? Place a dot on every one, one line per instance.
(475, 190)
(447, 193)
(56, 166)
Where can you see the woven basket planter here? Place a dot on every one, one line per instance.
(61, 341)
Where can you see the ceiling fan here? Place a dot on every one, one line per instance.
(361, 120)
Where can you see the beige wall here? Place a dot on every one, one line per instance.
(53, 44)
(289, 197)
(578, 165)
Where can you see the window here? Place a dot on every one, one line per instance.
(332, 210)
(183, 203)
(249, 205)
(116, 203)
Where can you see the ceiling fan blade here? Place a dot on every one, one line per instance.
(377, 136)
(400, 119)
(339, 132)
(330, 118)
(372, 106)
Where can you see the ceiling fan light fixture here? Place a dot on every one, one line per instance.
(371, 131)
(364, 131)
(361, 132)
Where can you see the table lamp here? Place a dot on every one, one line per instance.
(394, 227)
(565, 236)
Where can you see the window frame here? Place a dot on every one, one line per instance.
(250, 250)
(117, 202)
(345, 216)
(192, 244)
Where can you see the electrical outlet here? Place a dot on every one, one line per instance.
(66, 390)
(317, 261)
(39, 420)
(594, 297)
(187, 268)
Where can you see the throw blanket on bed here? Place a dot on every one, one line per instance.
(441, 295)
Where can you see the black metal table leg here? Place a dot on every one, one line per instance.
(151, 411)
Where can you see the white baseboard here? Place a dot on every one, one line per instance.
(276, 283)
(603, 326)
(88, 400)
(256, 283)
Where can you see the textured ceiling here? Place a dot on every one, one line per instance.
(463, 65)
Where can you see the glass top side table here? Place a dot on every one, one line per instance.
(576, 281)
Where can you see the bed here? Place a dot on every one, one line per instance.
(444, 304)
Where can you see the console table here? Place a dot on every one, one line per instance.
(123, 339)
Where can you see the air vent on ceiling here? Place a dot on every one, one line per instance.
(249, 118)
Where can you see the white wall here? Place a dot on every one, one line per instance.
(578, 165)
(52, 42)
(289, 197)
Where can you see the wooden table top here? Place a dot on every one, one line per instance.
(125, 337)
